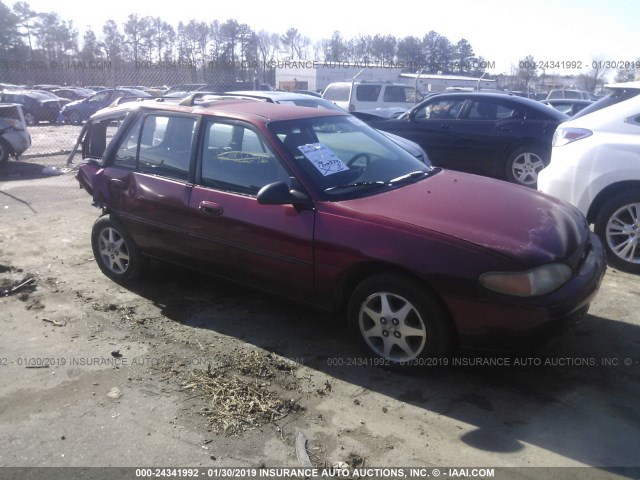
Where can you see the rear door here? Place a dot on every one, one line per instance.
(268, 246)
(147, 183)
(485, 130)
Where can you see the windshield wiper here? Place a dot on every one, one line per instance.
(408, 176)
(377, 183)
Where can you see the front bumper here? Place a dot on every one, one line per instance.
(528, 324)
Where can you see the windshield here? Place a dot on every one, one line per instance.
(345, 158)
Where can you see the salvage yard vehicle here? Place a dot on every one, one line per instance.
(315, 206)
(500, 136)
(37, 105)
(595, 165)
(80, 110)
(364, 95)
(14, 137)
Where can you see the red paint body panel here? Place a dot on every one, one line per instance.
(444, 231)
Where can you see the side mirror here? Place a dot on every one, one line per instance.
(278, 193)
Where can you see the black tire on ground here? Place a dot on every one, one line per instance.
(524, 164)
(74, 118)
(30, 118)
(398, 321)
(115, 251)
(618, 226)
(4, 152)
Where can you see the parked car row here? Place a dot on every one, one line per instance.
(37, 105)
(314, 205)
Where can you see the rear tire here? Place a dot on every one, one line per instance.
(4, 152)
(618, 226)
(30, 118)
(524, 164)
(115, 251)
(398, 322)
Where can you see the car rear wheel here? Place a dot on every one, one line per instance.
(398, 321)
(524, 164)
(30, 118)
(115, 251)
(618, 225)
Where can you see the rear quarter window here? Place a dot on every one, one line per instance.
(368, 93)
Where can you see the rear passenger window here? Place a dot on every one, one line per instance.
(165, 146)
(128, 150)
(235, 159)
(158, 144)
(483, 110)
(395, 93)
(368, 93)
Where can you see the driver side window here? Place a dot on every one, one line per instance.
(236, 159)
(448, 109)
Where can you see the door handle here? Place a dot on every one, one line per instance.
(211, 208)
(444, 126)
(117, 184)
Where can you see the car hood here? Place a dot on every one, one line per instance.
(517, 222)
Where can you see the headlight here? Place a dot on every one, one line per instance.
(537, 281)
(563, 136)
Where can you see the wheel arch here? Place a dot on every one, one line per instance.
(606, 193)
(527, 143)
(357, 273)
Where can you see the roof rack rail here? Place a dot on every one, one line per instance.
(190, 101)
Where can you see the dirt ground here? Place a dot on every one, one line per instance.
(180, 369)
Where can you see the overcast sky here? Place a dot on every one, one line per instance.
(502, 31)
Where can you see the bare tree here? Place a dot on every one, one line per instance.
(590, 81)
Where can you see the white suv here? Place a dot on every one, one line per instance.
(595, 165)
(365, 95)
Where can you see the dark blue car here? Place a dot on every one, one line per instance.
(80, 110)
(495, 135)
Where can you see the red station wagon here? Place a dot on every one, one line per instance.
(316, 206)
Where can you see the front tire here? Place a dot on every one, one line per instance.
(618, 226)
(74, 118)
(524, 164)
(397, 320)
(115, 251)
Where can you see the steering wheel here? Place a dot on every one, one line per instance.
(358, 156)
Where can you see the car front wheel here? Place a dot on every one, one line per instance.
(618, 225)
(74, 118)
(115, 251)
(398, 321)
(524, 164)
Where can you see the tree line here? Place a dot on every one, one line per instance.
(40, 47)
(35, 42)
